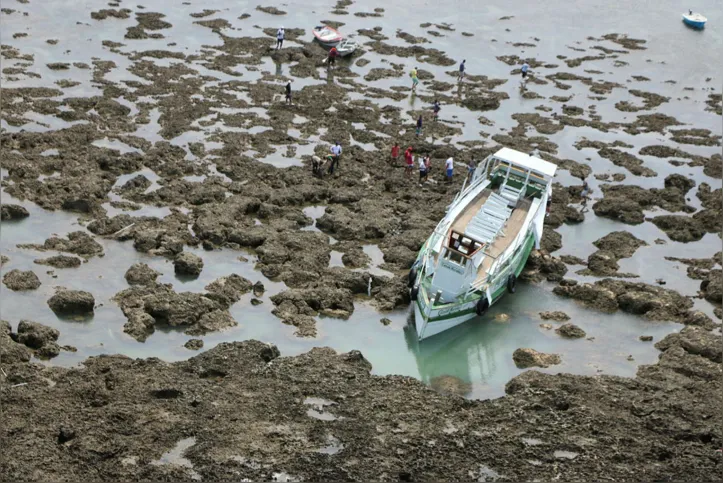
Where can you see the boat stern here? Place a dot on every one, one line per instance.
(431, 319)
(421, 311)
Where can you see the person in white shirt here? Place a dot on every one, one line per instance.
(336, 152)
(280, 38)
(422, 170)
(449, 166)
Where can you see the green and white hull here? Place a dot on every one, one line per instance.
(482, 244)
(431, 319)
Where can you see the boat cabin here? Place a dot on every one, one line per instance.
(460, 248)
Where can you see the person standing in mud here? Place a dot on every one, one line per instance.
(427, 166)
(336, 153)
(316, 165)
(280, 34)
(419, 125)
(585, 189)
(422, 170)
(288, 92)
(461, 70)
(470, 169)
(331, 60)
(585, 195)
(449, 167)
(523, 72)
(436, 108)
(409, 160)
(395, 154)
(415, 79)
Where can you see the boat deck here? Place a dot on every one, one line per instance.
(502, 243)
(511, 229)
(470, 210)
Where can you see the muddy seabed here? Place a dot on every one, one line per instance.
(158, 199)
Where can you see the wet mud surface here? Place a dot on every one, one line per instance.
(157, 188)
(567, 427)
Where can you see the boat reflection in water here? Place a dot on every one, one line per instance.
(465, 359)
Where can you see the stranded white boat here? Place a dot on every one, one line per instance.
(480, 247)
(327, 36)
(346, 47)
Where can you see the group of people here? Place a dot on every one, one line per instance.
(436, 107)
(331, 164)
(414, 73)
(423, 163)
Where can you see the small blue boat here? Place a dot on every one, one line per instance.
(694, 20)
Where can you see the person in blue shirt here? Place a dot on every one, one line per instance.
(461, 70)
(524, 69)
(336, 153)
(436, 108)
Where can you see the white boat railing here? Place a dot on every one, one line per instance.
(460, 194)
(477, 179)
(437, 234)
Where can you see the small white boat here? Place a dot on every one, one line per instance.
(481, 245)
(694, 20)
(327, 36)
(346, 47)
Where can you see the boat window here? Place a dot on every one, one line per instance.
(463, 244)
(456, 258)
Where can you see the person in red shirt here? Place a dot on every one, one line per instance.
(395, 154)
(333, 54)
(409, 160)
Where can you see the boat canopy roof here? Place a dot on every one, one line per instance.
(525, 161)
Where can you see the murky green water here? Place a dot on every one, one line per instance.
(479, 352)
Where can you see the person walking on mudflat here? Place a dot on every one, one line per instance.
(288, 92)
(422, 170)
(419, 125)
(461, 70)
(436, 108)
(336, 152)
(395, 154)
(409, 160)
(449, 166)
(523, 75)
(470, 169)
(280, 34)
(331, 59)
(415, 78)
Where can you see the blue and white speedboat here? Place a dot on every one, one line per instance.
(694, 20)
